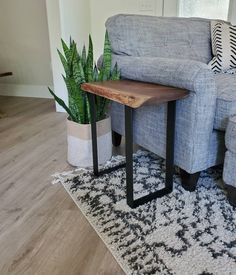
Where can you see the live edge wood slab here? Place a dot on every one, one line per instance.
(134, 93)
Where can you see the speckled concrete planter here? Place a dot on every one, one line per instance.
(80, 143)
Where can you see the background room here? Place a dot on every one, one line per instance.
(29, 50)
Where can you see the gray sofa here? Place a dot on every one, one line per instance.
(174, 52)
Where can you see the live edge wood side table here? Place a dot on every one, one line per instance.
(132, 95)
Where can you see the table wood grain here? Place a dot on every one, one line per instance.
(133, 93)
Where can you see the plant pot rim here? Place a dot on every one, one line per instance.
(86, 124)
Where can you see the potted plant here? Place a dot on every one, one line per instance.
(80, 68)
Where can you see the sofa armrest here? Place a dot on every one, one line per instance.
(194, 114)
(170, 72)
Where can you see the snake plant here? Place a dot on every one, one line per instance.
(80, 68)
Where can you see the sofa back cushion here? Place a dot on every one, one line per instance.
(139, 35)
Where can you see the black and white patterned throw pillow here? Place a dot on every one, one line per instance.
(230, 71)
(223, 37)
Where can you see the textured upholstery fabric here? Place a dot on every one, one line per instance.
(138, 35)
(230, 137)
(166, 71)
(195, 114)
(174, 52)
(226, 100)
(230, 71)
(229, 174)
(230, 157)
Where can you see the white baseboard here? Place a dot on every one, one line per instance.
(24, 90)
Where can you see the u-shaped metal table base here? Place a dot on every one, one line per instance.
(170, 140)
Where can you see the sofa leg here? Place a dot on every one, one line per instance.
(189, 181)
(116, 139)
(231, 194)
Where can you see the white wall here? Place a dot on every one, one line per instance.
(66, 18)
(54, 27)
(213, 9)
(75, 20)
(170, 7)
(24, 46)
(232, 12)
(102, 9)
(78, 18)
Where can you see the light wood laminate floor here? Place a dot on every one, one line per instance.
(41, 229)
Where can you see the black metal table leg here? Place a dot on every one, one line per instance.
(129, 155)
(92, 104)
(170, 138)
(96, 172)
(170, 143)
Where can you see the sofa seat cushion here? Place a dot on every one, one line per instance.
(226, 100)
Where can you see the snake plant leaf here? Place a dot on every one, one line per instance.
(82, 71)
(79, 100)
(95, 73)
(103, 108)
(115, 73)
(89, 63)
(66, 50)
(104, 75)
(64, 63)
(107, 57)
(73, 44)
(88, 109)
(99, 103)
(73, 49)
(71, 41)
(77, 97)
(79, 69)
(62, 104)
(78, 72)
(74, 109)
(73, 52)
(72, 100)
(84, 57)
(101, 73)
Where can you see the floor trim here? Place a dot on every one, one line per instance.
(38, 91)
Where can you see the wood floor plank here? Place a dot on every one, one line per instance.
(41, 229)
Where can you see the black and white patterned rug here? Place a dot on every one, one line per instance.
(182, 233)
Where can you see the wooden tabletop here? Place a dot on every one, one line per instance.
(133, 93)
